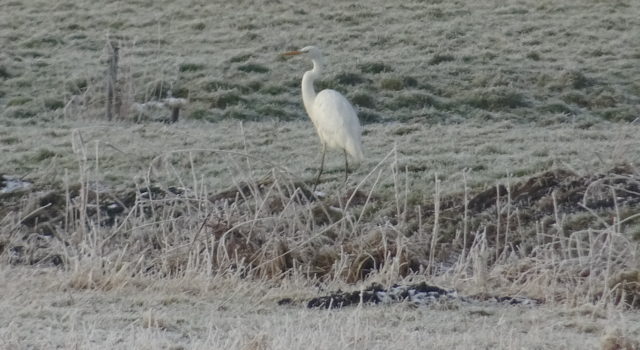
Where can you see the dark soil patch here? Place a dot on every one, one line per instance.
(376, 293)
(9, 184)
(44, 216)
(418, 294)
(572, 193)
(579, 201)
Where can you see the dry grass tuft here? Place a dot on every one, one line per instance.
(104, 276)
(151, 319)
(258, 342)
(615, 340)
(626, 285)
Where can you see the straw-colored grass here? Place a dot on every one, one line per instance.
(215, 312)
(501, 160)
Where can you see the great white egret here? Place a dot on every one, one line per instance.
(332, 115)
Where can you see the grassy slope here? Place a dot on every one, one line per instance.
(127, 152)
(438, 61)
(444, 62)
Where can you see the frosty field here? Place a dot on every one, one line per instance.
(502, 160)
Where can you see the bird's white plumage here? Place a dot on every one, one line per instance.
(332, 115)
(337, 123)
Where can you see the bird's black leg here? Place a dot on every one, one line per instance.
(315, 184)
(346, 167)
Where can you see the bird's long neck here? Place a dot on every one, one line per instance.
(308, 92)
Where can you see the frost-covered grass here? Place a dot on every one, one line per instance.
(128, 153)
(456, 98)
(433, 62)
(193, 313)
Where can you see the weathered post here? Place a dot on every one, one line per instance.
(174, 104)
(112, 78)
(175, 114)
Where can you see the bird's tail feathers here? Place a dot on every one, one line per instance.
(355, 151)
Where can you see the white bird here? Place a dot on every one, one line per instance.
(332, 115)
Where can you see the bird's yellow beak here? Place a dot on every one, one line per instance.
(292, 53)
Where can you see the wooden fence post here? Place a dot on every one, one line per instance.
(112, 78)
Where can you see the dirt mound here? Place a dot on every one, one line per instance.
(420, 293)
(43, 221)
(48, 209)
(565, 192)
(417, 294)
(554, 201)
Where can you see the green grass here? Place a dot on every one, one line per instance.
(253, 68)
(496, 99)
(393, 84)
(440, 58)
(4, 73)
(53, 103)
(227, 99)
(18, 101)
(363, 99)
(374, 67)
(240, 58)
(190, 67)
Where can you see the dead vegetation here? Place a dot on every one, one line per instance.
(509, 236)
(556, 201)
(545, 90)
(616, 340)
